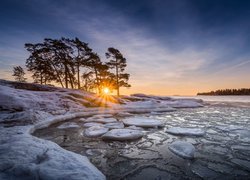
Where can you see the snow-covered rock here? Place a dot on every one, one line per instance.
(95, 131)
(114, 125)
(142, 122)
(183, 149)
(99, 120)
(26, 157)
(186, 131)
(122, 134)
(68, 125)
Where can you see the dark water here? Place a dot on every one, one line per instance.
(222, 153)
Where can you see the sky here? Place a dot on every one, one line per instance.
(172, 47)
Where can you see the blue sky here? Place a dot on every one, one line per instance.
(172, 47)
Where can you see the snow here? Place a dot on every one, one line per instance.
(182, 149)
(114, 125)
(122, 134)
(95, 131)
(68, 125)
(186, 131)
(142, 122)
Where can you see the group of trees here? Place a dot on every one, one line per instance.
(73, 64)
(242, 91)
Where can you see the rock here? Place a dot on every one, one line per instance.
(90, 124)
(122, 134)
(114, 125)
(183, 149)
(186, 131)
(95, 131)
(68, 125)
(142, 122)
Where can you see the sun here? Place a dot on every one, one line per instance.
(106, 90)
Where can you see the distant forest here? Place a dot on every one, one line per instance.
(222, 92)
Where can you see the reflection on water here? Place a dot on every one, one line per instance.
(222, 153)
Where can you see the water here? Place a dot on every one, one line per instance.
(245, 99)
(222, 153)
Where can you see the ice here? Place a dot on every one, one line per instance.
(90, 124)
(229, 128)
(243, 163)
(183, 149)
(244, 135)
(95, 131)
(114, 125)
(184, 103)
(186, 131)
(135, 128)
(99, 120)
(204, 172)
(68, 125)
(122, 134)
(142, 122)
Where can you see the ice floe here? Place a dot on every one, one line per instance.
(114, 125)
(183, 149)
(122, 134)
(142, 122)
(135, 128)
(99, 120)
(95, 131)
(90, 124)
(186, 131)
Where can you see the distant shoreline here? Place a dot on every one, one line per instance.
(223, 95)
(227, 92)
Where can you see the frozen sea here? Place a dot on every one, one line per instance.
(223, 152)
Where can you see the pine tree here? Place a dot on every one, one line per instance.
(19, 73)
(118, 63)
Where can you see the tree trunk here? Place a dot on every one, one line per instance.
(97, 80)
(66, 76)
(71, 81)
(117, 80)
(58, 75)
(78, 76)
(41, 79)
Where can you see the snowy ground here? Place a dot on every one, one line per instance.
(27, 107)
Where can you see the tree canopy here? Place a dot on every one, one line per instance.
(118, 63)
